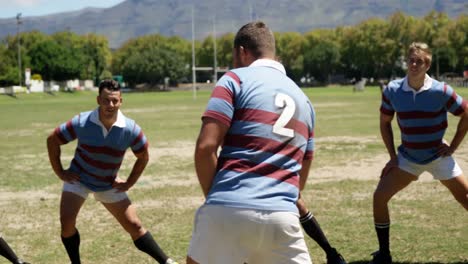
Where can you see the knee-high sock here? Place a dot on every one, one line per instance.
(6, 251)
(72, 245)
(383, 234)
(313, 229)
(147, 244)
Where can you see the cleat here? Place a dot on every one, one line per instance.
(335, 258)
(381, 258)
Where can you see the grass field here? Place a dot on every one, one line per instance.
(428, 226)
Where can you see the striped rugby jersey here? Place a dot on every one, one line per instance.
(99, 153)
(421, 115)
(271, 124)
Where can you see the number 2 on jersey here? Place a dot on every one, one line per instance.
(289, 107)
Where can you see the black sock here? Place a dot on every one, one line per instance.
(383, 234)
(147, 244)
(7, 252)
(312, 228)
(72, 245)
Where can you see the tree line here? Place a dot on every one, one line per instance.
(374, 48)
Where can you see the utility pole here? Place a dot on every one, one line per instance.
(18, 39)
(194, 75)
(436, 45)
(215, 60)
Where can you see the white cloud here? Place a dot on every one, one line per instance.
(20, 3)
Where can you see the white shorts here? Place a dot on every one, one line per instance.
(110, 196)
(443, 168)
(235, 236)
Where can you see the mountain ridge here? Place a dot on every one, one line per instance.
(133, 18)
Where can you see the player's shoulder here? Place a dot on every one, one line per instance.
(237, 71)
(129, 122)
(440, 86)
(395, 84)
(83, 117)
(85, 114)
(249, 71)
(231, 76)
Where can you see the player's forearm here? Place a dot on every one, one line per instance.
(137, 170)
(462, 128)
(387, 137)
(53, 148)
(304, 173)
(205, 166)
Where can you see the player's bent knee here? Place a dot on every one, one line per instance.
(67, 229)
(67, 222)
(134, 226)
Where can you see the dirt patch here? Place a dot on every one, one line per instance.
(179, 203)
(367, 168)
(346, 139)
(155, 109)
(164, 179)
(17, 133)
(42, 125)
(179, 149)
(6, 197)
(327, 105)
(363, 169)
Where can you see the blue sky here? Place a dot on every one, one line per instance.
(9, 8)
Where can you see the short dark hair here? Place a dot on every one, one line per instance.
(257, 38)
(109, 84)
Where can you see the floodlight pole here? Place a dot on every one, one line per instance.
(18, 23)
(194, 75)
(215, 61)
(436, 48)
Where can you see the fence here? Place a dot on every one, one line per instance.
(455, 81)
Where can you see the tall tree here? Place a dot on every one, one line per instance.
(459, 42)
(8, 70)
(321, 54)
(97, 56)
(54, 61)
(224, 48)
(289, 47)
(366, 49)
(438, 40)
(150, 59)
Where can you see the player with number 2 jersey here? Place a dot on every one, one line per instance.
(270, 132)
(264, 125)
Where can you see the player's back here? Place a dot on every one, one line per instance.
(268, 137)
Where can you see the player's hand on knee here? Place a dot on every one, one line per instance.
(69, 176)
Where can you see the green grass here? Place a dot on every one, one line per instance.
(428, 226)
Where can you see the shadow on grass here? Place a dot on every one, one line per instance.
(409, 262)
